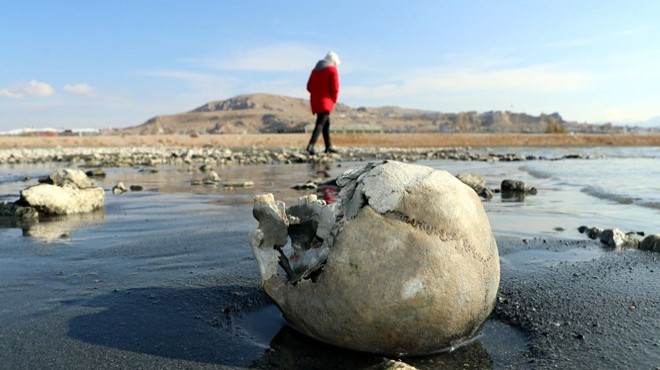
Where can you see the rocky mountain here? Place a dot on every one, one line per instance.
(268, 113)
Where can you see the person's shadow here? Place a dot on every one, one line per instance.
(227, 325)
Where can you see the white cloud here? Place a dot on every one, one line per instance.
(283, 57)
(21, 90)
(79, 88)
(447, 80)
(7, 93)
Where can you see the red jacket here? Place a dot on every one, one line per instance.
(323, 87)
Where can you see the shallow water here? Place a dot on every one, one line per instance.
(617, 187)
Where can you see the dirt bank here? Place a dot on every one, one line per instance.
(345, 140)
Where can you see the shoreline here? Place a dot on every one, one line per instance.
(340, 140)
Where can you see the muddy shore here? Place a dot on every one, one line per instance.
(193, 300)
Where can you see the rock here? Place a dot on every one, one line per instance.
(68, 177)
(616, 239)
(7, 209)
(206, 168)
(477, 183)
(592, 232)
(473, 181)
(26, 213)
(388, 364)
(309, 185)
(16, 211)
(64, 192)
(120, 188)
(238, 184)
(404, 264)
(651, 243)
(211, 178)
(95, 172)
(136, 187)
(516, 186)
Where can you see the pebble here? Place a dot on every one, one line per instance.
(205, 158)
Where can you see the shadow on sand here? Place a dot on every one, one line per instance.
(186, 324)
(208, 325)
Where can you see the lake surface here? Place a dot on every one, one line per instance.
(617, 187)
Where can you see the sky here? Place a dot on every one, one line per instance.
(100, 64)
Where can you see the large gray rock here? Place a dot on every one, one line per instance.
(64, 192)
(404, 264)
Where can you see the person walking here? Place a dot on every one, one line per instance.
(323, 88)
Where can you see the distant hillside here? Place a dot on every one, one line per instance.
(267, 113)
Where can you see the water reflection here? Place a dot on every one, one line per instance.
(513, 196)
(54, 228)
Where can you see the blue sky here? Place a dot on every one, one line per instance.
(79, 64)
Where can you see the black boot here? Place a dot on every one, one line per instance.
(310, 149)
(331, 149)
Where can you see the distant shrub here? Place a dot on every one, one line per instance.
(555, 128)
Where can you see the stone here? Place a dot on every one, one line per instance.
(651, 243)
(592, 232)
(211, 178)
(616, 239)
(239, 184)
(388, 364)
(516, 186)
(404, 264)
(309, 185)
(95, 172)
(477, 183)
(66, 191)
(68, 177)
(7, 209)
(206, 167)
(120, 188)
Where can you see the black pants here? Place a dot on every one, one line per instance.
(322, 125)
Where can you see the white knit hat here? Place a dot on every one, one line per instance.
(332, 57)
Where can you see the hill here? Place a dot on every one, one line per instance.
(268, 113)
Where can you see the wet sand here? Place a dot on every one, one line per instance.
(164, 278)
(191, 299)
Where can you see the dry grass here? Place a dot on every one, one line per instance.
(340, 140)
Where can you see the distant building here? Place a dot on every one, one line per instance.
(51, 132)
